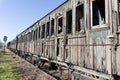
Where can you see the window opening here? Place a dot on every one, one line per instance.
(52, 27)
(119, 10)
(22, 38)
(42, 47)
(69, 22)
(48, 27)
(79, 17)
(60, 24)
(36, 33)
(57, 47)
(43, 31)
(34, 36)
(39, 33)
(29, 36)
(98, 12)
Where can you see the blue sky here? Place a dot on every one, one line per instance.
(17, 15)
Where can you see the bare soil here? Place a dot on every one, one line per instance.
(25, 70)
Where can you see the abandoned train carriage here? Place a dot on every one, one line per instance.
(81, 33)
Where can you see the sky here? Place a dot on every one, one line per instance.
(17, 15)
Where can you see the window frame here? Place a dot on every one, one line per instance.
(39, 31)
(118, 6)
(43, 32)
(36, 34)
(52, 26)
(106, 16)
(67, 22)
(48, 29)
(58, 25)
(81, 27)
(118, 14)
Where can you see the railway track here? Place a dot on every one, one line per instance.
(48, 74)
(58, 74)
(39, 73)
(61, 73)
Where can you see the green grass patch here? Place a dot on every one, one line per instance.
(6, 67)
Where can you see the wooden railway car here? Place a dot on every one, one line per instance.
(82, 35)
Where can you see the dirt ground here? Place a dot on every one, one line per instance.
(23, 69)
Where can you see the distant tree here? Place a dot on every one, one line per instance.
(5, 39)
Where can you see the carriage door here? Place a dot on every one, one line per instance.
(60, 47)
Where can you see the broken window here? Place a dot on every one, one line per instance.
(119, 10)
(32, 34)
(24, 38)
(42, 47)
(36, 33)
(98, 12)
(28, 36)
(58, 47)
(48, 27)
(21, 38)
(43, 31)
(69, 22)
(39, 33)
(52, 27)
(79, 17)
(60, 24)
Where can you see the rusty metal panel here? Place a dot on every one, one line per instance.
(91, 51)
(60, 56)
(52, 49)
(74, 51)
(47, 49)
(28, 46)
(43, 48)
(118, 61)
(40, 47)
(81, 51)
(68, 50)
(35, 47)
(32, 47)
(100, 52)
(118, 57)
(36, 52)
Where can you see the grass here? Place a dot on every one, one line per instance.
(7, 66)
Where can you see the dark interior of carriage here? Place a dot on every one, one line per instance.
(98, 12)
(69, 22)
(43, 31)
(52, 26)
(48, 27)
(60, 24)
(79, 17)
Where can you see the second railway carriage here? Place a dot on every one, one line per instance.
(83, 35)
